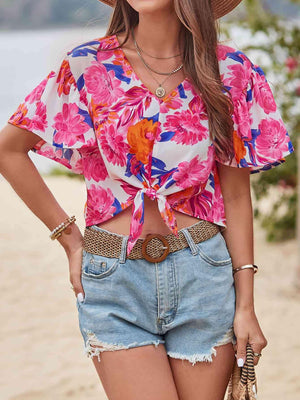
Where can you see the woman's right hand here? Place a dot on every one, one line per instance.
(75, 261)
(73, 245)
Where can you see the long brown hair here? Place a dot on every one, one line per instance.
(199, 33)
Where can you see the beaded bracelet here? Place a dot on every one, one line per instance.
(58, 230)
(253, 266)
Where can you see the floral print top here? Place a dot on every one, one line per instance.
(95, 116)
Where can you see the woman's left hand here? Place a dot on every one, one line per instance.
(247, 330)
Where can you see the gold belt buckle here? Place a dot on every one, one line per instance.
(166, 247)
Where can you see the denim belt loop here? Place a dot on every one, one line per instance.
(123, 252)
(190, 241)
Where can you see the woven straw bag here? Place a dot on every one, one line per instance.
(242, 384)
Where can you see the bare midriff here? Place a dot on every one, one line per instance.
(153, 222)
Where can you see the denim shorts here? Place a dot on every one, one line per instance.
(186, 301)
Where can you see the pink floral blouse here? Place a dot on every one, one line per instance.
(96, 117)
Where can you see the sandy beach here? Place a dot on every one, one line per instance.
(42, 354)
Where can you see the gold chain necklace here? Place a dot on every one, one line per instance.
(147, 65)
(160, 90)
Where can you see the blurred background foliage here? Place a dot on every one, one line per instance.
(273, 28)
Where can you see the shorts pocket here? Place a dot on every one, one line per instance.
(214, 251)
(98, 267)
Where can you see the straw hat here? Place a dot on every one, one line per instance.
(220, 7)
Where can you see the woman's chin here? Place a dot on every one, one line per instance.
(151, 6)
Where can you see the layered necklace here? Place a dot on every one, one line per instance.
(160, 90)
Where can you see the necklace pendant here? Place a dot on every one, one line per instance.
(160, 92)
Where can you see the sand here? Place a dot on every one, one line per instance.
(41, 346)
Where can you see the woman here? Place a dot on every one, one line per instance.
(166, 124)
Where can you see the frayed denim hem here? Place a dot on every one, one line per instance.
(93, 346)
(227, 338)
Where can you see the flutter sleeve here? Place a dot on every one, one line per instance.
(260, 138)
(57, 111)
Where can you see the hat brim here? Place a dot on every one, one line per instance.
(220, 7)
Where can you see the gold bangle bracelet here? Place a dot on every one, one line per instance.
(253, 266)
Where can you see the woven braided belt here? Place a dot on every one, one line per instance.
(154, 247)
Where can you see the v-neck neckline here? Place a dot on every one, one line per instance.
(137, 78)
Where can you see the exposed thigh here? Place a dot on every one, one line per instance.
(204, 380)
(137, 373)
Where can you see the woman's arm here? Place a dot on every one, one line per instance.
(18, 169)
(235, 186)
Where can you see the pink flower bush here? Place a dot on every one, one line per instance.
(291, 63)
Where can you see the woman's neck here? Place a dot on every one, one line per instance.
(158, 34)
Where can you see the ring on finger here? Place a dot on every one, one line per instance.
(257, 354)
(72, 287)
